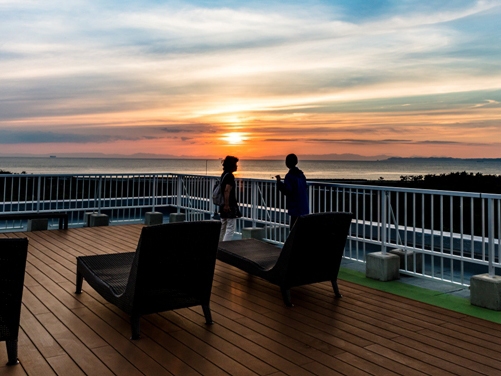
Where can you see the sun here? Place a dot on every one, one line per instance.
(234, 138)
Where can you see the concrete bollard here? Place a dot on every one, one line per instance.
(96, 220)
(177, 217)
(253, 233)
(485, 291)
(38, 224)
(87, 218)
(410, 259)
(153, 218)
(382, 266)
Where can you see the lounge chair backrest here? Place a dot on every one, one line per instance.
(173, 257)
(13, 254)
(314, 248)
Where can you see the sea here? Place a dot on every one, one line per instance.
(389, 169)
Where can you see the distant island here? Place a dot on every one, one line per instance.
(454, 181)
(441, 159)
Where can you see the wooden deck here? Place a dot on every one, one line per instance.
(367, 332)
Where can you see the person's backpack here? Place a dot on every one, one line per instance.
(217, 192)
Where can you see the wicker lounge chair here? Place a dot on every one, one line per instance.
(13, 254)
(173, 267)
(312, 253)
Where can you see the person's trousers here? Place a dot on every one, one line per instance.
(228, 226)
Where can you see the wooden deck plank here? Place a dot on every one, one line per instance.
(289, 323)
(34, 363)
(157, 349)
(30, 300)
(45, 252)
(361, 363)
(185, 346)
(394, 302)
(483, 346)
(362, 353)
(411, 364)
(5, 370)
(38, 334)
(73, 346)
(117, 363)
(484, 339)
(67, 317)
(353, 334)
(373, 308)
(454, 363)
(216, 336)
(246, 346)
(367, 332)
(64, 365)
(128, 351)
(430, 364)
(145, 354)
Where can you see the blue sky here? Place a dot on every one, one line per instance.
(201, 78)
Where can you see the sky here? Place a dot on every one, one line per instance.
(252, 79)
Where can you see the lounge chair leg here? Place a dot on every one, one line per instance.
(134, 326)
(207, 314)
(336, 289)
(79, 283)
(12, 352)
(286, 295)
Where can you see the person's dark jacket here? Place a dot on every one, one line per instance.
(228, 178)
(295, 189)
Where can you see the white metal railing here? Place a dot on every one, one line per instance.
(447, 235)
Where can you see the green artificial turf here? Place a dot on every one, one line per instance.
(435, 298)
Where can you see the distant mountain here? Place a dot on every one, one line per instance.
(333, 157)
(103, 155)
(441, 159)
(420, 158)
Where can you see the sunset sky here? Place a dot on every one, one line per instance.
(252, 79)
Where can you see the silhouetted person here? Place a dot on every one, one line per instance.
(295, 189)
(229, 212)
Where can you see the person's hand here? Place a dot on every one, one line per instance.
(278, 178)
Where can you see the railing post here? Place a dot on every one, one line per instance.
(99, 195)
(179, 190)
(254, 202)
(383, 221)
(154, 193)
(310, 197)
(38, 192)
(490, 232)
(212, 206)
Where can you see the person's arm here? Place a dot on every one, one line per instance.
(280, 185)
(287, 186)
(227, 191)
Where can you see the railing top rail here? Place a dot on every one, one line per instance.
(407, 190)
(310, 182)
(93, 175)
(491, 195)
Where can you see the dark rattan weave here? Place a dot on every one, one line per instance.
(13, 253)
(172, 268)
(312, 253)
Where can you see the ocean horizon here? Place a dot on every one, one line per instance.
(388, 169)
